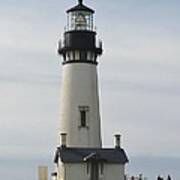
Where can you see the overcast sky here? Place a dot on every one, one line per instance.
(139, 76)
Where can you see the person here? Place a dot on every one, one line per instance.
(140, 177)
(169, 177)
(159, 178)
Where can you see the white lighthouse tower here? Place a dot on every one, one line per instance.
(79, 112)
(80, 154)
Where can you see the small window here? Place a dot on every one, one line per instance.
(77, 55)
(93, 57)
(64, 56)
(71, 55)
(83, 55)
(67, 56)
(89, 56)
(83, 116)
(74, 55)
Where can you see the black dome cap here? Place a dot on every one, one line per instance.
(80, 7)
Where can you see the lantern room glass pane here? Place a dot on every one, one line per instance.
(80, 20)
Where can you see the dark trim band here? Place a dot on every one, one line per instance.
(79, 61)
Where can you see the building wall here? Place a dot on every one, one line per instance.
(42, 173)
(61, 172)
(79, 171)
(114, 172)
(79, 88)
(76, 171)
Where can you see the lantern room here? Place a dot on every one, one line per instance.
(79, 43)
(80, 18)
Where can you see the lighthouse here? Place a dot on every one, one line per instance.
(79, 103)
(80, 154)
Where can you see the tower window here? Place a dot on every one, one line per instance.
(68, 56)
(83, 116)
(76, 55)
(83, 55)
(71, 55)
(93, 57)
(88, 55)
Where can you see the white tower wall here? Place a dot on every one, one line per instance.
(79, 90)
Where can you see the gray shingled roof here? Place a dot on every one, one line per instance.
(76, 155)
